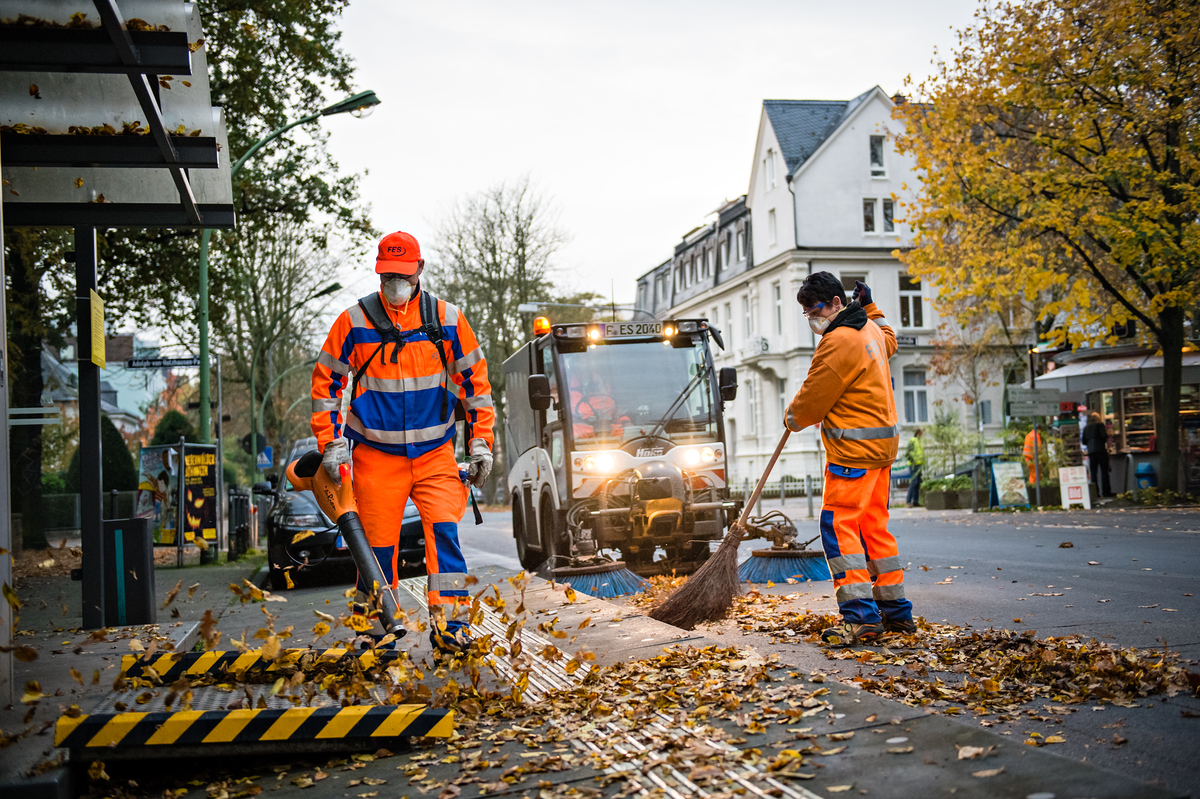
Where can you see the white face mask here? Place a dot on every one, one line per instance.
(398, 291)
(818, 325)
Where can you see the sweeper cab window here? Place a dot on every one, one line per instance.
(620, 391)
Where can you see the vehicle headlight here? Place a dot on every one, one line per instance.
(605, 463)
(707, 455)
(589, 464)
(303, 520)
(691, 457)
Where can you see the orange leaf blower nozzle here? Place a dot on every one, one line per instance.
(337, 501)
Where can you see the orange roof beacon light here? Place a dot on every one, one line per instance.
(541, 326)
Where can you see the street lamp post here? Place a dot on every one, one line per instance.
(357, 105)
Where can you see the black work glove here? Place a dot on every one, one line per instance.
(862, 293)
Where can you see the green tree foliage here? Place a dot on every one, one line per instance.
(171, 427)
(1060, 159)
(120, 472)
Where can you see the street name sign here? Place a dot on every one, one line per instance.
(160, 363)
(1032, 401)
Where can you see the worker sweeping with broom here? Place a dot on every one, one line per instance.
(848, 390)
(415, 360)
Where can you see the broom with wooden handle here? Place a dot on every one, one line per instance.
(708, 594)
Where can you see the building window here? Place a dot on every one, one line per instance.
(911, 307)
(771, 231)
(849, 279)
(985, 411)
(724, 254)
(916, 403)
(777, 292)
(783, 404)
(741, 245)
(868, 216)
(708, 262)
(679, 276)
(889, 224)
(769, 169)
(729, 323)
(746, 316)
(877, 170)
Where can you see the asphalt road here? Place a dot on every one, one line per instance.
(1130, 578)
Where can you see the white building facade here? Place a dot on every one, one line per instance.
(824, 195)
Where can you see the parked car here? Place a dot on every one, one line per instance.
(302, 539)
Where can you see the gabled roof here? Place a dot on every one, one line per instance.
(802, 126)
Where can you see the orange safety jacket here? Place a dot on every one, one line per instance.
(398, 404)
(849, 391)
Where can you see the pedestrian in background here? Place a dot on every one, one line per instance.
(1095, 438)
(915, 453)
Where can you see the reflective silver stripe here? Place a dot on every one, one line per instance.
(397, 385)
(853, 591)
(884, 565)
(790, 420)
(324, 405)
(479, 447)
(481, 401)
(470, 359)
(448, 581)
(332, 364)
(847, 562)
(888, 592)
(862, 433)
(398, 436)
(451, 316)
(881, 321)
(357, 317)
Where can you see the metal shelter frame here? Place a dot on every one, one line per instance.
(142, 56)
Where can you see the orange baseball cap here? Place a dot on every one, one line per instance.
(396, 249)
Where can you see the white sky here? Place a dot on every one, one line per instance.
(637, 118)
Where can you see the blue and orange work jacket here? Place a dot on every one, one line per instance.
(398, 407)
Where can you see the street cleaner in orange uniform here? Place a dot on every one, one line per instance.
(398, 433)
(848, 391)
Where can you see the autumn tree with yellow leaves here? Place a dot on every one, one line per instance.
(1059, 158)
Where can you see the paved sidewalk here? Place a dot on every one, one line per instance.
(49, 624)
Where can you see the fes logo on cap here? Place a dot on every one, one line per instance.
(396, 249)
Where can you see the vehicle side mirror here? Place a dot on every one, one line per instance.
(262, 489)
(727, 382)
(539, 392)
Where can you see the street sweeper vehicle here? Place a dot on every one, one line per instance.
(616, 447)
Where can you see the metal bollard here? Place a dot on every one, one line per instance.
(808, 492)
(758, 506)
(783, 490)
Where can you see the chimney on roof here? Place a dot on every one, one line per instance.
(899, 99)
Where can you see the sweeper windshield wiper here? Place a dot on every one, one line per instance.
(693, 384)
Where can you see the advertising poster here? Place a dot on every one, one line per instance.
(1008, 480)
(200, 491)
(158, 482)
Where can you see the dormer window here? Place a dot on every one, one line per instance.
(877, 168)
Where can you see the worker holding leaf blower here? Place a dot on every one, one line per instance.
(848, 390)
(416, 362)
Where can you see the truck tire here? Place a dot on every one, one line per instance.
(528, 559)
(552, 543)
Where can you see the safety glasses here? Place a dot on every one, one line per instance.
(810, 312)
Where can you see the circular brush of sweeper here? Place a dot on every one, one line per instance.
(603, 579)
(780, 564)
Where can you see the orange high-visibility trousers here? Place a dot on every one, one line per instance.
(862, 554)
(382, 485)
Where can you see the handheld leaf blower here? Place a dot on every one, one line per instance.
(338, 503)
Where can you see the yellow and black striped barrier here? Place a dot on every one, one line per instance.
(199, 727)
(171, 666)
